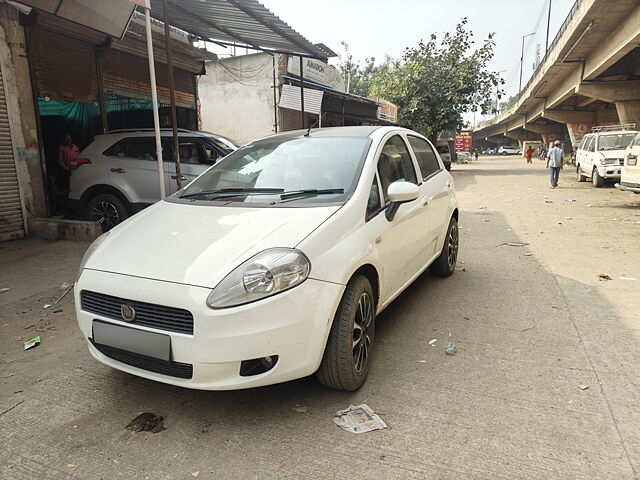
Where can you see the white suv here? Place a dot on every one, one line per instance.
(117, 174)
(600, 155)
(509, 151)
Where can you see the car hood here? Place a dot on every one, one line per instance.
(200, 244)
(613, 153)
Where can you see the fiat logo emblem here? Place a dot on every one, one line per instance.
(128, 313)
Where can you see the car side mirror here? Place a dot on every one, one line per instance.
(400, 192)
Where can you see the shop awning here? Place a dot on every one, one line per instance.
(111, 17)
(330, 90)
(236, 22)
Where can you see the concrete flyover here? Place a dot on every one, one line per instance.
(590, 76)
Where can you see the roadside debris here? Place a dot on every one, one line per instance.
(34, 342)
(422, 361)
(59, 310)
(513, 244)
(358, 419)
(67, 288)
(195, 473)
(463, 269)
(528, 254)
(589, 205)
(627, 278)
(5, 289)
(603, 277)
(583, 387)
(46, 305)
(282, 463)
(72, 465)
(571, 200)
(146, 422)
(432, 342)
(451, 348)
(300, 408)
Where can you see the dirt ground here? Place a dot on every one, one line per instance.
(530, 330)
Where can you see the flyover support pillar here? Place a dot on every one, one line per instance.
(629, 111)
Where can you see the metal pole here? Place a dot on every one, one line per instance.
(546, 48)
(172, 94)
(101, 99)
(154, 99)
(301, 96)
(521, 62)
(275, 97)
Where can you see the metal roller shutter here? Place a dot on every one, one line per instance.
(11, 219)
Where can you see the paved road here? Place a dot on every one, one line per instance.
(529, 329)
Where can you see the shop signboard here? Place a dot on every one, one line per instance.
(316, 71)
(463, 141)
(387, 111)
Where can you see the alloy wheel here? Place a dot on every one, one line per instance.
(361, 340)
(105, 213)
(452, 247)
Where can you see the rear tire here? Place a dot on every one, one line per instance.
(347, 356)
(596, 179)
(107, 210)
(445, 264)
(579, 175)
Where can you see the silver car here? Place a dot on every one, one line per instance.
(117, 174)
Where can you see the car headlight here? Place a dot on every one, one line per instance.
(609, 161)
(92, 248)
(265, 274)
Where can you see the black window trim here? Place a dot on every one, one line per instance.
(415, 158)
(370, 216)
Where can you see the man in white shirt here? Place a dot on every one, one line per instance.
(555, 158)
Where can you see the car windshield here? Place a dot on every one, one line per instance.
(618, 141)
(289, 170)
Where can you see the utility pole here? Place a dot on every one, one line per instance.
(546, 48)
(521, 61)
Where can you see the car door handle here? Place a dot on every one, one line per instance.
(426, 200)
(175, 177)
(118, 170)
(448, 185)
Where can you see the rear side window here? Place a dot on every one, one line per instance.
(425, 155)
(139, 148)
(395, 164)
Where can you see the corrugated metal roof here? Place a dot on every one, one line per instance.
(331, 89)
(245, 22)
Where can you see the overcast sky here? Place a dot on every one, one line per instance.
(375, 28)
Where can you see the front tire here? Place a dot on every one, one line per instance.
(579, 175)
(347, 356)
(445, 264)
(596, 179)
(107, 210)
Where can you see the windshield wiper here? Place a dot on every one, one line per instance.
(232, 191)
(310, 192)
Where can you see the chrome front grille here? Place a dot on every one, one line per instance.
(151, 315)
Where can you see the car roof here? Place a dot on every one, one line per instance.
(150, 132)
(352, 131)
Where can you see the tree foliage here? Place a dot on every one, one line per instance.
(434, 83)
(357, 77)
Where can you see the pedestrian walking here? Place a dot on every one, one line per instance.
(555, 157)
(475, 154)
(529, 154)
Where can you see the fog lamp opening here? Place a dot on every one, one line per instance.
(256, 366)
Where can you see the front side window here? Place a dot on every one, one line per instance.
(189, 152)
(636, 141)
(332, 164)
(395, 164)
(425, 155)
(373, 204)
(617, 141)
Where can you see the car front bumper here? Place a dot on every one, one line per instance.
(610, 172)
(293, 325)
(629, 187)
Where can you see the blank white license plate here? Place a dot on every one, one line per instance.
(151, 344)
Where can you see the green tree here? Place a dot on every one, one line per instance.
(358, 78)
(434, 83)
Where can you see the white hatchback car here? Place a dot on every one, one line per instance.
(117, 174)
(274, 263)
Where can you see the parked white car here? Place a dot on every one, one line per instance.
(507, 150)
(274, 263)
(117, 174)
(445, 154)
(600, 155)
(630, 178)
